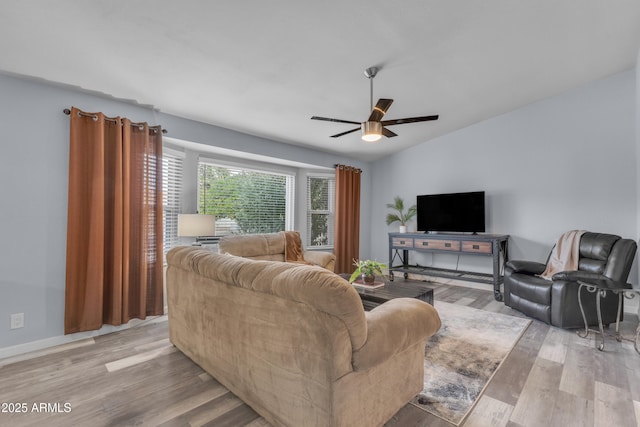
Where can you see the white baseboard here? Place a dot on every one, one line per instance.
(60, 343)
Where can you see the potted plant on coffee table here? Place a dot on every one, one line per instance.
(401, 215)
(367, 269)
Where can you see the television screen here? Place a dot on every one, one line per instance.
(454, 212)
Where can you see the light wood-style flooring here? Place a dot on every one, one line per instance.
(136, 377)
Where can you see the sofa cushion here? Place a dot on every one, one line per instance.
(313, 286)
(597, 245)
(538, 311)
(531, 288)
(591, 265)
(273, 247)
(268, 247)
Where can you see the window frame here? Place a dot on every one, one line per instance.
(331, 199)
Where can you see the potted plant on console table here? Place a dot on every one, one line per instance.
(367, 269)
(401, 216)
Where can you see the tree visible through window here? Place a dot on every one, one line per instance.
(245, 201)
(320, 210)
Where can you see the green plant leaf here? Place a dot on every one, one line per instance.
(354, 276)
(401, 216)
(391, 218)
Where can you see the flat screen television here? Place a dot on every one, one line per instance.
(452, 212)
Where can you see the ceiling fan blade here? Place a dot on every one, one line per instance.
(386, 132)
(344, 133)
(409, 120)
(326, 119)
(380, 109)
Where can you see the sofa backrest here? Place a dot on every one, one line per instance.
(269, 247)
(606, 254)
(620, 260)
(594, 251)
(311, 285)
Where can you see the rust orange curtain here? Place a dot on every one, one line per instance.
(114, 226)
(347, 218)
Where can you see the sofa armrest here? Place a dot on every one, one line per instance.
(393, 327)
(574, 276)
(323, 259)
(528, 267)
(586, 277)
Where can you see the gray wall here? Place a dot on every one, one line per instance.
(562, 163)
(567, 162)
(33, 171)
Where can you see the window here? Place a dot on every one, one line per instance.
(245, 201)
(321, 194)
(172, 162)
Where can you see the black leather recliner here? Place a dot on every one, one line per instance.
(556, 301)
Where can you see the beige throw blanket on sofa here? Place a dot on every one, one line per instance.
(293, 247)
(565, 254)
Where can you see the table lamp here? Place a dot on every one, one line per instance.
(196, 225)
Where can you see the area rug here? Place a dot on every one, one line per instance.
(463, 356)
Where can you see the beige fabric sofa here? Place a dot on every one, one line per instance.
(293, 340)
(270, 247)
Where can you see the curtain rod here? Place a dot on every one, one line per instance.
(345, 167)
(68, 113)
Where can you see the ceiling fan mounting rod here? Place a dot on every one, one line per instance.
(370, 73)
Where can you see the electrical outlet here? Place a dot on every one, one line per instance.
(17, 320)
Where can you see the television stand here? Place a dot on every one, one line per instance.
(488, 245)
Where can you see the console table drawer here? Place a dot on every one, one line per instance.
(401, 242)
(440, 245)
(477, 247)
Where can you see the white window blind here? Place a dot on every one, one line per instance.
(172, 170)
(321, 194)
(244, 200)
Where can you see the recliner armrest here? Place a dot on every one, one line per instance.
(574, 276)
(528, 267)
(587, 277)
(393, 327)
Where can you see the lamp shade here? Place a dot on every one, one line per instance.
(194, 225)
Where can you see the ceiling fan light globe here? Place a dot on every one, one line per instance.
(371, 138)
(371, 131)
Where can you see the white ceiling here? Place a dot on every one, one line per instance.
(265, 67)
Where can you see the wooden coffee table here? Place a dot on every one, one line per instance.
(397, 289)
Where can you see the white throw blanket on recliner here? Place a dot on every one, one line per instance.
(565, 254)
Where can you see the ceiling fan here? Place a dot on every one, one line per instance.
(375, 127)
